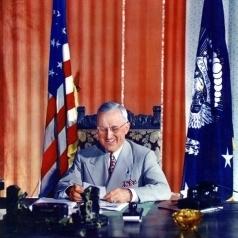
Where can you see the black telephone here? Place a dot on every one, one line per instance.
(200, 196)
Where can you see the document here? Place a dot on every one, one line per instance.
(104, 205)
(73, 206)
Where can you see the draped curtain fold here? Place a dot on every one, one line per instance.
(174, 93)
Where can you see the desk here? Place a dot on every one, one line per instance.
(159, 223)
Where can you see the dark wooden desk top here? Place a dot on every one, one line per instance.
(159, 223)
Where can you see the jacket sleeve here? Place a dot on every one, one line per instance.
(154, 185)
(71, 177)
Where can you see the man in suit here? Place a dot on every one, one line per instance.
(136, 175)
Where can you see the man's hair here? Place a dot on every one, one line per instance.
(108, 106)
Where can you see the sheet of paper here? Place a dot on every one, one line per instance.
(73, 205)
(112, 206)
(102, 190)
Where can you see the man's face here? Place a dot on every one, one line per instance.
(110, 140)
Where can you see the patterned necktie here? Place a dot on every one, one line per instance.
(112, 164)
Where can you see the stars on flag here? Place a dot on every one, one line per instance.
(58, 14)
(52, 42)
(59, 65)
(57, 44)
(51, 72)
(227, 158)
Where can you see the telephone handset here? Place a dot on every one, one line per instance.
(202, 195)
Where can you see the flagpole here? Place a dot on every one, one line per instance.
(123, 51)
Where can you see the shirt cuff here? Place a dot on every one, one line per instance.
(63, 194)
(134, 196)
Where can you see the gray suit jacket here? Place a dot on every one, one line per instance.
(136, 168)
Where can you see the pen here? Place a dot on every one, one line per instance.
(211, 209)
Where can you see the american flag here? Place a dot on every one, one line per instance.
(60, 139)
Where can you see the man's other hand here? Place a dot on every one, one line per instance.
(119, 195)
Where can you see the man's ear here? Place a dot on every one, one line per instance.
(128, 125)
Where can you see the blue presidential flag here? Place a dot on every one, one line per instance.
(209, 150)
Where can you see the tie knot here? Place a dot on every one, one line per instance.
(112, 164)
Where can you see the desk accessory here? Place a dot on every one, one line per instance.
(14, 204)
(133, 214)
(187, 219)
(53, 210)
(88, 214)
(201, 196)
(45, 218)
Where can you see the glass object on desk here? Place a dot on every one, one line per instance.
(187, 219)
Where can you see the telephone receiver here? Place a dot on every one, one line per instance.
(202, 195)
(204, 191)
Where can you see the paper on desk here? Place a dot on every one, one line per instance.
(104, 205)
(72, 205)
(102, 190)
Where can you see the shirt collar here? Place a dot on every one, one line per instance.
(116, 153)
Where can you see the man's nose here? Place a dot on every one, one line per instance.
(108, 132)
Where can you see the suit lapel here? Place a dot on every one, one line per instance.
(98, 168)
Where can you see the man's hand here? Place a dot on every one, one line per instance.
(119, 195)
(74, 192)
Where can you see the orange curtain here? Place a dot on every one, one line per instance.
(174, 93)
(96, 40)
(24, 50)
(143, 55)
(94, 33)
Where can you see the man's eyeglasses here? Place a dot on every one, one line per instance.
(113, 129)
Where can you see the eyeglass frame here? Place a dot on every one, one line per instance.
(113, 129)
